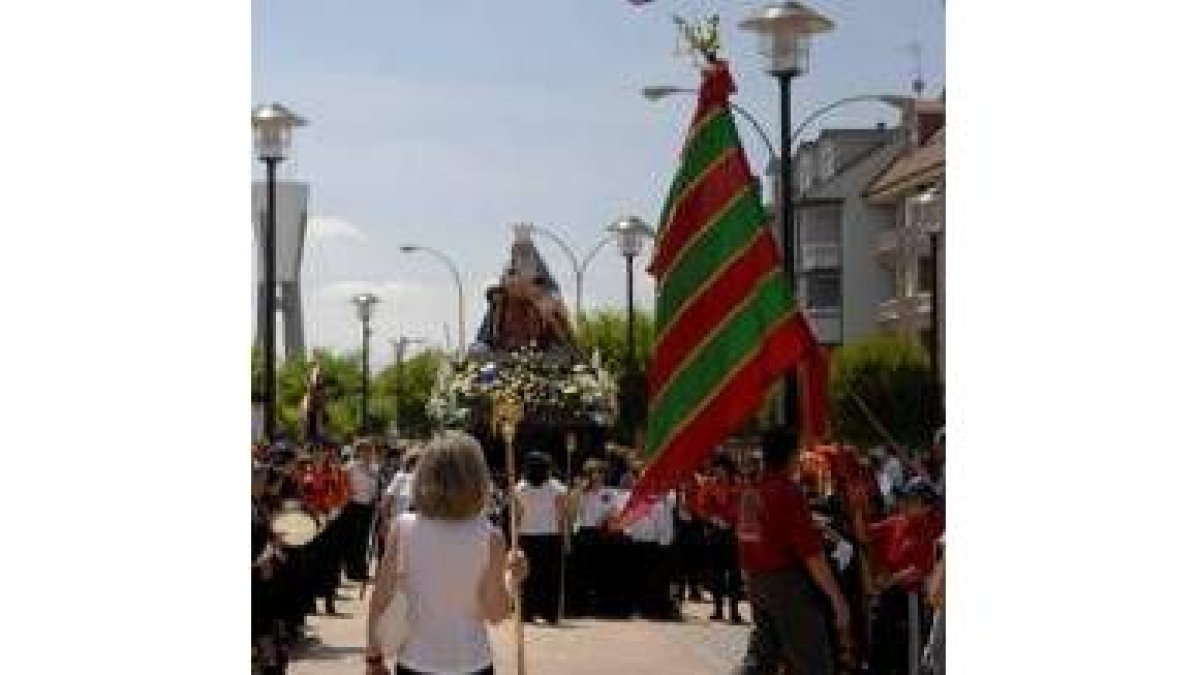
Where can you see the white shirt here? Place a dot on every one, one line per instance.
(656, 525)
(363, 484)
(445, 561)
(538, 512)
(400, 492)
(595, 506)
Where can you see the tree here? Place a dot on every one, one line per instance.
(605, 329)
(411, 383)
(893, 378)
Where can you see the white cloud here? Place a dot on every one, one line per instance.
(327, 228)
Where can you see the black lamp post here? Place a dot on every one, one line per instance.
(365, 302)
(785, 30)
(272, 124)
(400, 347)
(631, 233)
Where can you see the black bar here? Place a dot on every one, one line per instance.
(791, 388)
(268, 310)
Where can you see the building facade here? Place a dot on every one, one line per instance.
(913, 188)
(839, 281)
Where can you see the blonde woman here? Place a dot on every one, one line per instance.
(455, 567)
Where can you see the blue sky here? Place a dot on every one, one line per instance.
(443, 123)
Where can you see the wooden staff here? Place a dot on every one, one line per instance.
(508, 413)
(566, 533)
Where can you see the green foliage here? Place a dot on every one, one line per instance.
(893, 378)
(411, 384)
(605, 329)
(343, 375)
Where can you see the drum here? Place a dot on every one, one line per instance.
(293, 525)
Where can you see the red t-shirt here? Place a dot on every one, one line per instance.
(774, 528)
(718, 500)
(900, 542)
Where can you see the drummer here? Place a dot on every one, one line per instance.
(266, 594)
(327, 489)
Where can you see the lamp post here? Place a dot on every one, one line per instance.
(272, 124)
(785, 30)
(365, 302)
(462, 325)
(578, 266)
(400, 346)
(631, 233)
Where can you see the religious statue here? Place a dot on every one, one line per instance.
(525, 309)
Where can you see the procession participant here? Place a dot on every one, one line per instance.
(615, 594)
(904, 548)
(687, 552)
(329, 488)
(266, 598)
(718, 502)
(787, 576)
(397, 496)
(646, 560)
(541, 514)
(363, 480)
(593, 504)
(454, 565)
(291, 481)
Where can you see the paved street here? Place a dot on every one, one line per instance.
(582, 647)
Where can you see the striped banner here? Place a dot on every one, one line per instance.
(726, 320)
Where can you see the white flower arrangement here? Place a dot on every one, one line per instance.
(551, 388)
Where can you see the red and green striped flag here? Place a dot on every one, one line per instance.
(726, 322)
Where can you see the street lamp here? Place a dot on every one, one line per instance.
(365, 302)
(631, 233)
(400, 346)
(577, 266)
(272, 124)
(785, 30)
(462, 326)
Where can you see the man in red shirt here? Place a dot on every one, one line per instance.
(718, 504)
(788, 578)
(904, 548)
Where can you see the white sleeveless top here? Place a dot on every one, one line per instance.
(538, 515)
(445, 563)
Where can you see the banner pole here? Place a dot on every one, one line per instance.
(510, 417)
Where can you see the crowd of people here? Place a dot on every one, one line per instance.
(827, 578)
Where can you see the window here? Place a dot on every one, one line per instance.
(804, 170)
(828, 161)
(824, 289)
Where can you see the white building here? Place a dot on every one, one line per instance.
(912, 249)
(839, 280)
(862, 266)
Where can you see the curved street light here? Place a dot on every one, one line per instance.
(462, 326)
(578, 266)
(656, 93)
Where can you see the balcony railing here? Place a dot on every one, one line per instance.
(826, 323)
(920, 306)
(820, 256)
